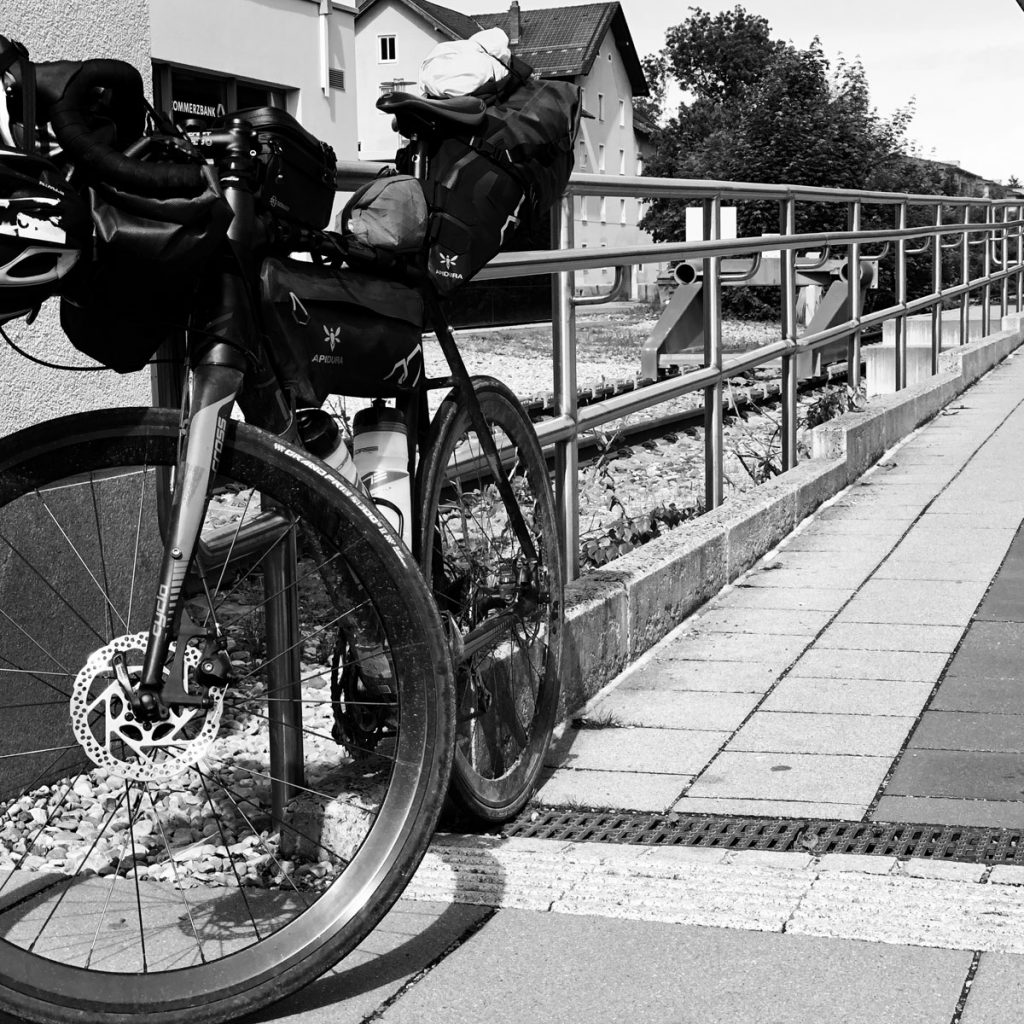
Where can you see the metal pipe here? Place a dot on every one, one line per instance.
(1004, 291)
(284, 675)
(856, 301)
(787, 225)
(986, 262)
(714, 419)
(564, 345)
(602, 298)
(901, 299)
(965, 276)
(534, 262)
(937, 287)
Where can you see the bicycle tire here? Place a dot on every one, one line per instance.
(463, 536)
(265, 925)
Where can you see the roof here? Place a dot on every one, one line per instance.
(448, 23)
(558, 42)
(565, 41)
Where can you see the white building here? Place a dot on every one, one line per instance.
(590, 45)
(230, 54)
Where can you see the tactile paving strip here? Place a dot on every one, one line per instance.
(818, 837)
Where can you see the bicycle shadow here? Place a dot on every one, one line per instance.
(414, 936)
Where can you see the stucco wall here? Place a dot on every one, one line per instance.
(52, 30)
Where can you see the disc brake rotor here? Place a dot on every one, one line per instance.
(114, 739)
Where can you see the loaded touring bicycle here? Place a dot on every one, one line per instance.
(235, 699)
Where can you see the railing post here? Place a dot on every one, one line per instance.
(901, 299)
(856, 302)
(937, 287)
(563, 321)
(1018, 215)
(1004, 253)
(787, 266)
(965, 277)
(986, 270)
(714, 421)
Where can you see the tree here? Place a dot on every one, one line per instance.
(761, 110)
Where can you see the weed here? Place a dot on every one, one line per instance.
(604, 719)
(832, 401)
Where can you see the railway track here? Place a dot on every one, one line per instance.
(750, 395)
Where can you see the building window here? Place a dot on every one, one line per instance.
(604, 210)
(201, 97)
(639, 166)
(600, 159)
(600, 106)
(622, 113)
(583, 209)
(387, 49)
(622, 161)
(622, 211)
(583, 154)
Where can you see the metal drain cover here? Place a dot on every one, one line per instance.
(936, 842)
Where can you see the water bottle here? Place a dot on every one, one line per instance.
(381, 453)
(322, 438)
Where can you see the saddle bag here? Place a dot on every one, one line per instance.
(341, 331)
(297, 170)
(480, 186)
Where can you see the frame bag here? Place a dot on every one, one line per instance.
(341, 331)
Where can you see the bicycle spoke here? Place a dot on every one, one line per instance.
(54, 591)
(78, 555)
(138, 540)
(138, 893)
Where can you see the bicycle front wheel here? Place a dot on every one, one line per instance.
(502, 608)
(201, 866)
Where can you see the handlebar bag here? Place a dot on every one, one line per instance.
(149, 255)
(296, 169)
(481, 185)
(341, 332)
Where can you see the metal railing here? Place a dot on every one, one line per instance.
(1000, 234)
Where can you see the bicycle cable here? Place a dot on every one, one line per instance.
(43, 362)
(65, 366)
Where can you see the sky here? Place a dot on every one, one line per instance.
(961, 62)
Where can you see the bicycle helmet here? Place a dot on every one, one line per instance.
(44, 226)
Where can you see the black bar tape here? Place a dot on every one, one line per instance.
(87, 147)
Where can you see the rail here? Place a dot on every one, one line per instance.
(1000, 234)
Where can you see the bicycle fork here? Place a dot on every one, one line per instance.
(271, 534)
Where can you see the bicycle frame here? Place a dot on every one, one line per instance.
(218, 376)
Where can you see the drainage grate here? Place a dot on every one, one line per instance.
(936, 842)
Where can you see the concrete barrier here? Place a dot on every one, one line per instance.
(616, 613)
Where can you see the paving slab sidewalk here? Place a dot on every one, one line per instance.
(874, 634)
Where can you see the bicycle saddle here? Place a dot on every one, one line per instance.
(415, 114)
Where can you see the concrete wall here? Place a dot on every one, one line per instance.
(52, 30)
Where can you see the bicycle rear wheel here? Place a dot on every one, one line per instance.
(204, 866)
(504, 613)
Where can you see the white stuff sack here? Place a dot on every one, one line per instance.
(460, 68)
